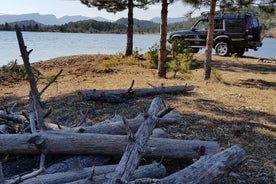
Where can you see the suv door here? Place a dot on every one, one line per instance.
(199, 33)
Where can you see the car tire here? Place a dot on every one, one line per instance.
(222, 49)
(240, 51)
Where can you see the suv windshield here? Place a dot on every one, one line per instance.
(201, 25)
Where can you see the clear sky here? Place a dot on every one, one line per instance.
(74, 7)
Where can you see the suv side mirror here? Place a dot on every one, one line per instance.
(193, 29)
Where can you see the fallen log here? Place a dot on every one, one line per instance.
(206, 170)
(115, 126)
(137, 146)
(76, 143)
(154, 170)
(122, 95)
(63, 177)
(118, 127)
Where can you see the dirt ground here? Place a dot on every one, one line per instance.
(235, 107)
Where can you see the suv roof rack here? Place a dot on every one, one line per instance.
(206, 13)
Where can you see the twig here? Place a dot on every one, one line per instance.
(27, 176)
(90, 178)
(130, 134)
(51, 81)
(165, 111)
(13, 108)
(131, 86)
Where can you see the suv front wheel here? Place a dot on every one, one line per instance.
(222, 49)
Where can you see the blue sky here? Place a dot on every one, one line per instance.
(74, 7)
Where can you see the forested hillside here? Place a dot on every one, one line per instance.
(120, 26)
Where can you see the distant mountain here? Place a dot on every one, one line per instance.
(101, 19)
(170, 20)
(46, 19)
(25, 23)
(136, 22)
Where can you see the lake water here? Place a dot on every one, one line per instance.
(50, 45)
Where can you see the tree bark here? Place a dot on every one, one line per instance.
(129, 48)
(154, 170)
(136, 148)
(76, 143)
(63, 177)
(210, 40)
(34, 91)
(209, 168)
(118, 127)
(121, 95)
(162, 55)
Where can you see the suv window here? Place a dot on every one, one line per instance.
(218, 24)
(234, 24)
(252, 22)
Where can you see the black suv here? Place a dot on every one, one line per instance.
(234, 33)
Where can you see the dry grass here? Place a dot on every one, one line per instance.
(237, 106)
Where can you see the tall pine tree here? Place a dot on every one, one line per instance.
(117, 6)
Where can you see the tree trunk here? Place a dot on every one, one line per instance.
(100, 174)
(210, 40)
(136, 148)
(121, 95)
(209, 168)
(162, 55)
(34, 91)
(129, 47)
(76, 143)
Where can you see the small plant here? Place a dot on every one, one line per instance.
(131, 60)
(13, 72)
(180, 46)
(152, 55)
(109, 63)
(183, 60)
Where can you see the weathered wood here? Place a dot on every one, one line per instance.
(154, 170)
(118, 127)
(64, 177)
(100, 174)
(137, 146)
(76, 143)
(13, 117)
(121, 95)
(34, 91)
(206, 170)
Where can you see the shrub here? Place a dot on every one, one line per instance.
(183, 58)
(180, 46)
(152, 55)
(13, 72)
(131, 60)
(109, 63)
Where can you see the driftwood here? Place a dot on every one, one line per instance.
(99, 174)
(121, 95)
(206, 170)
(76, 143)
(35, 101)
(117, 126)
(137, 146)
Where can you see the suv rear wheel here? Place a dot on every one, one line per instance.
(222, 48)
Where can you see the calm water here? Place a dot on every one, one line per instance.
(51, 45)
